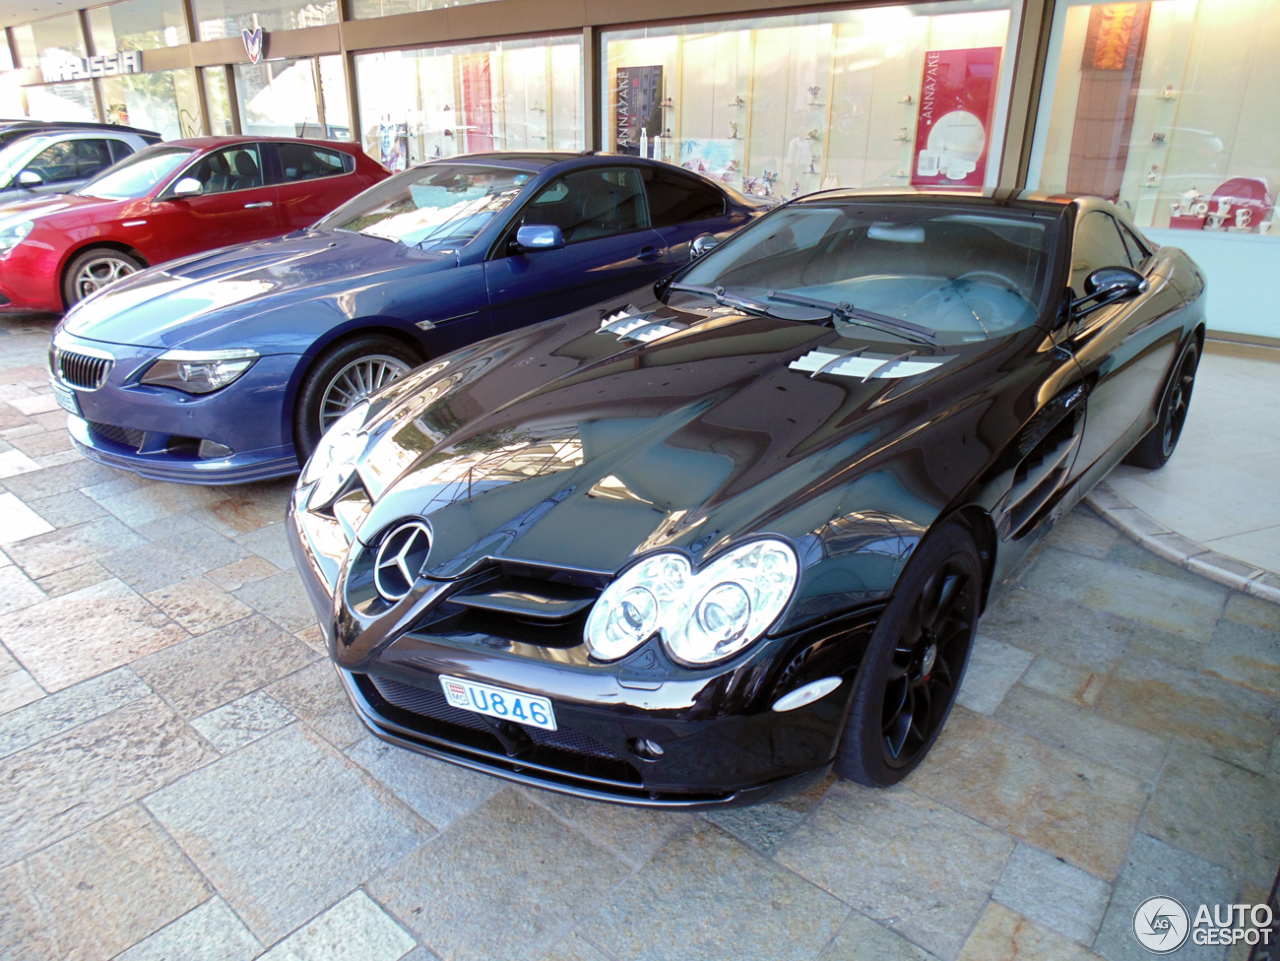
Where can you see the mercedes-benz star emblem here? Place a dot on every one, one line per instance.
(400, 559)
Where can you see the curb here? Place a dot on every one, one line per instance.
(1172, 546)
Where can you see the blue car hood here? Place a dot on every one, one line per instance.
(185, 300)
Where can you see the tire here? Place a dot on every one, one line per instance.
(93, 269)
(1159, 443)
(914, 663)
(341, 377)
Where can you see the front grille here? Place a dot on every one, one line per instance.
(81, 370)
(123, 436)
(565, 749)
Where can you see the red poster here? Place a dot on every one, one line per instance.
(477, 104)
(953, 125)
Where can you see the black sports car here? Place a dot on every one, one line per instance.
(699, 544)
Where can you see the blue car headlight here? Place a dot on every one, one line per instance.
(199, 371)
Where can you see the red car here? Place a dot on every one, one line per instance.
(168, 201)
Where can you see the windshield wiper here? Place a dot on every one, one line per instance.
(856, 314)
(723, 298)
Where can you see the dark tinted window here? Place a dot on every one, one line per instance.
(588, 204)
(677, 199)
(300, 161)
(70, 160)
(231, 168)
(1097, 244)
(119, 150)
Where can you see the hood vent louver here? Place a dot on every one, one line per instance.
(866, 366)
(632, 324)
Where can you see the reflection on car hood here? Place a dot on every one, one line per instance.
(571, 445)
(183, 300)
(46, 206)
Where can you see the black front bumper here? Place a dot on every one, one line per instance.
(721, 743)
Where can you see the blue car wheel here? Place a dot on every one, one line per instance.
(345, 374)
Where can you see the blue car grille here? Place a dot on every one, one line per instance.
(123, 436)
(81, 370)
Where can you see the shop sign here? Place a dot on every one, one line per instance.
(85, 68)
(638, 107)
(253, 43)
(953, 124)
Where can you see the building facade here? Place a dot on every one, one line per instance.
(1161, 105)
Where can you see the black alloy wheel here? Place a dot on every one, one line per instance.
(1159, 443)
(914, 664)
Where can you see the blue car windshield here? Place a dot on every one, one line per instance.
(963, 273)
(436, 207)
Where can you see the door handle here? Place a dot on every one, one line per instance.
(650, 254)
(261, 203)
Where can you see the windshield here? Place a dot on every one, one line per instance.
(15, 157)
(435, 207)
(136, 176)
(963, 274)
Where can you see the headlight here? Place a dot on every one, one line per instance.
(335, 457)
(703, 617)
(199, 371)
(13, 234)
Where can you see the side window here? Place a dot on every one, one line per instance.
(56, 163)
(232, 168)
(119, 149)
(300, 161)
(1137, 253)
(589, 204)
(677, 199)
(1097, 244)
(92, 157)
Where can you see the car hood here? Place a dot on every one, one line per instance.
(53, 210)
(189, 299)
(567, 446)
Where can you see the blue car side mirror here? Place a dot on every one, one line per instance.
(539, 237)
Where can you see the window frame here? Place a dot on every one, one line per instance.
(267, 179)
(277, 162)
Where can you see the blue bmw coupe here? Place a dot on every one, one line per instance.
(228, 366)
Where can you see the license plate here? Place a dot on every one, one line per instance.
(66, 398)
(499, 702)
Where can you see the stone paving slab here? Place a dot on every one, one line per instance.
(172, 735)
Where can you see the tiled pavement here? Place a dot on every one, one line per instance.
(181, 778)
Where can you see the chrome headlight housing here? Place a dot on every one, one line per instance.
(334, 460)
(12, 234)
(199, 371)
(704, 616)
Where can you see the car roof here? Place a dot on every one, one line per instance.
(204, 143)
(54, 126)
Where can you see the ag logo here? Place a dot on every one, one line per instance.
(1161, 925)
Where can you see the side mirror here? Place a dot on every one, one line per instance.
(29, 178)
(1109, 284)
(702, 244)
(532, 237)
(187, 187)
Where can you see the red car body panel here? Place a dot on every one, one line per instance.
(32, 274)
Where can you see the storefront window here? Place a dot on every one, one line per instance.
(62, 101)
(137, 25)
(783, 106)
(277, 98)
(333, 95)
(218, 100)
(1165, 107)
(164, 101)
(362, 9)
(416, 105)
(216, 19)
(57, 38)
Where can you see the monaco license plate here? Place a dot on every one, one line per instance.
(66, 398)
(499, 702)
